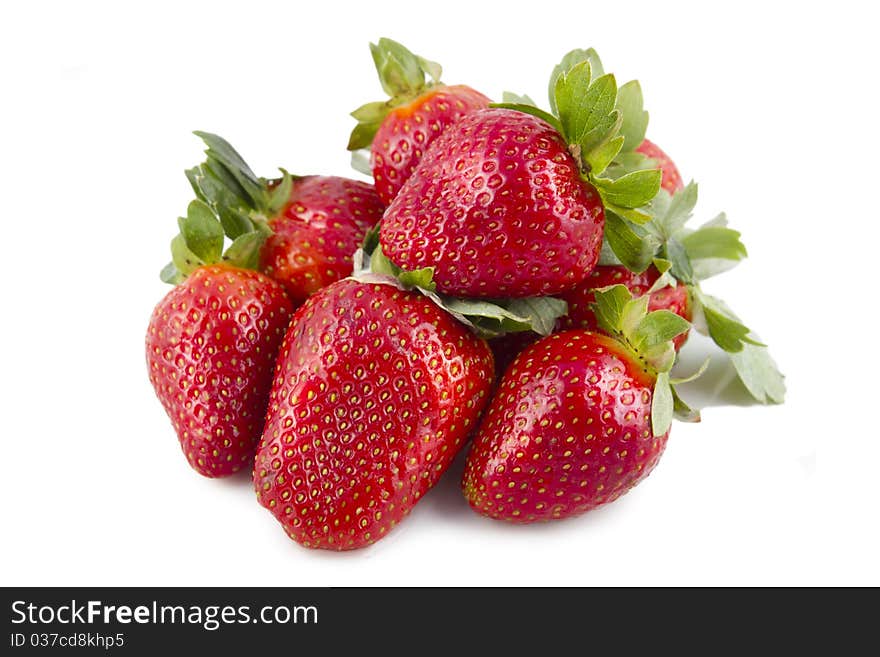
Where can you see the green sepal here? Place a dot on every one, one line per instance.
(674, 252)
(626, 162)
(648, 337)
(635, 118)
(215, 190)
(751, 359)
(534, 111)
(723, 326)
(360, 161)
(170, 274)
(244, 252)
(662, 405)
(630, 191)
(279, 195)
(569, 60)
(184, 260)
(226, 163)
(511, 98)
(402, 76)
(680, 410)
(201, 232)
(486, 317)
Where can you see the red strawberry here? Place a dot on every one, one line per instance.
(316, 222)
(399, 130)
(510, 201)
(578, 420)
(314, 235)
(211, 347)
(498, 206)
(580, 299)
(375, 391)
(671, 177)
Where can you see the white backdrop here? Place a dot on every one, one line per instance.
(771, 107)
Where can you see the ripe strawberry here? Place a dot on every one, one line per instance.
(498, 207)
(315, 222)
(671, 177)
(211, 346)
(314, 235)
(578, 419)
(375, 391)
(510, 201)
(400, 129)
(581, 298)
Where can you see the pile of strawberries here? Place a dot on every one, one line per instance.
(518, 278)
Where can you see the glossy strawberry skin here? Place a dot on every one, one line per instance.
(408, 129)
(211, 347)
(498, 207)
(375, 392)
(568, 430)
(580, 298)
(671, 180)
(315, 235)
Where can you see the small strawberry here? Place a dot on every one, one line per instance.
(375, 392)
(671, 177)
(510, 201)
(316, 222)
(579, 417)
(398, 130)
(668, 297)
(211, 344)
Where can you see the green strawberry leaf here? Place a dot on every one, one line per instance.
(626, 162)
(662, 405)
(244, 251)
(635, 118)
(400, 71)
(510, 98)
(360, 161)
(714, 242)
(680, 410)
(723, 326)
(658, 327)
(402, 76)
(648, 336)
(759, 373)
(201, 231)
(675, 253)
(486, 317)
(570, 59)
(632, 190)
(170, 274)
(184, 260)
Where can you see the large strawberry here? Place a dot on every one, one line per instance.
(510, 201)
(579, 417)
(398, 130)
(211, 344)
(315, 222)
(375, 391)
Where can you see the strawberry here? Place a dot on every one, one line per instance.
(580, 299)
(211, 345)
(398, 130)
(510, 201)
(375, 391)
(315, 222)
(579, 417)
(671, 177)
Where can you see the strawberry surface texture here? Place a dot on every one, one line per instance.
(375, 392)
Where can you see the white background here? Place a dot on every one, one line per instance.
(772, 107)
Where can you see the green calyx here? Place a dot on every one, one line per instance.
(404, 76)
(201, 240)
(488, 318)
(648, 337)
(231, 202)
(603, 124)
